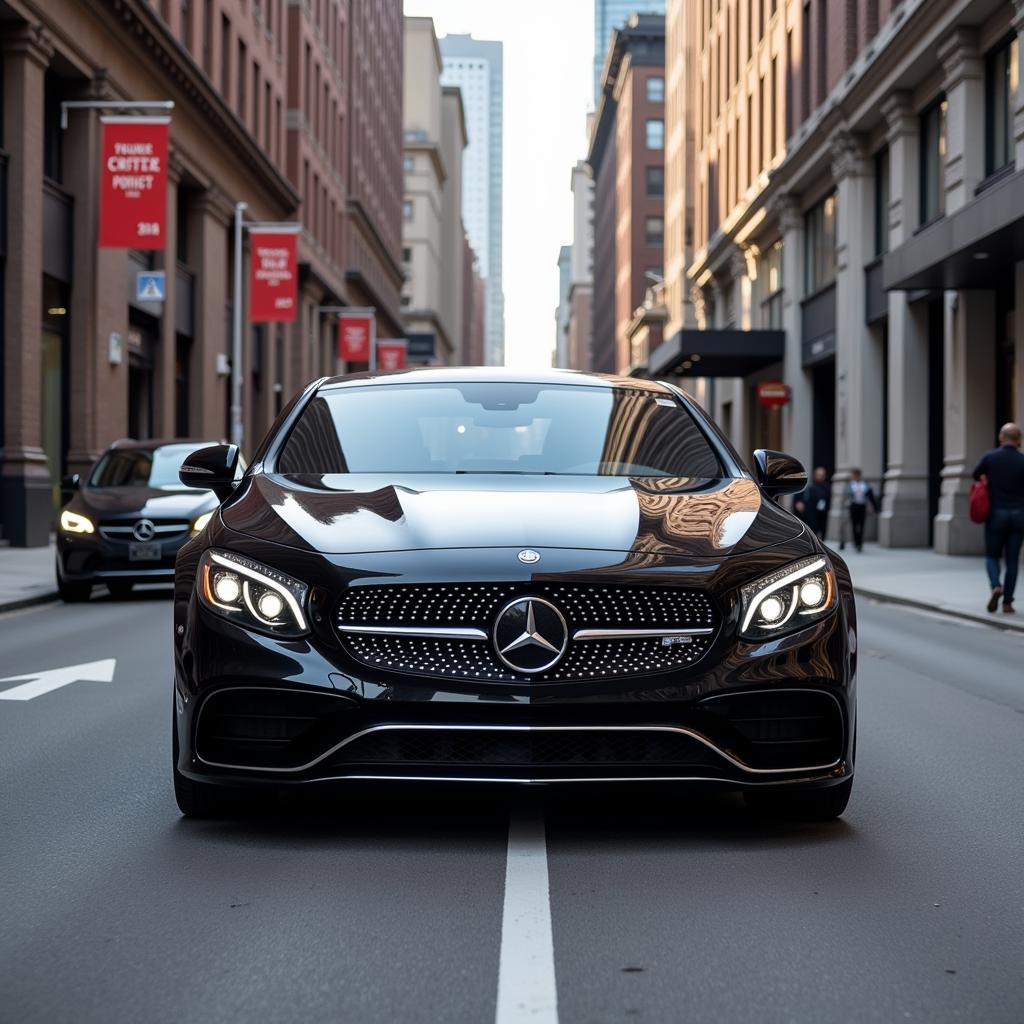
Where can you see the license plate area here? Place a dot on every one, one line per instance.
(144, 551)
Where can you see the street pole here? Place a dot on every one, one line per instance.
(373, 341)
(236, 332)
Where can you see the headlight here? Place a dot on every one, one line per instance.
(200, 524)
(72, 522)
(253, 595)
(788, 599)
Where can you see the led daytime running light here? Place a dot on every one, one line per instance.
(798, 574)
(264, 580)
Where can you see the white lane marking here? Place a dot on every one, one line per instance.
(526, 969)
(51, 679)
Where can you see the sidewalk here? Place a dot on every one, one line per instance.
(956, 585)
(26, 576)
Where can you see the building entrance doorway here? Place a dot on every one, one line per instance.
(823, 447)
(142, 344)
(54, 383)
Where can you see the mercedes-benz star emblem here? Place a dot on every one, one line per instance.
(144, 530)
(530, 635)
(528, 556)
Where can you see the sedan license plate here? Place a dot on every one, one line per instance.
(144, 552)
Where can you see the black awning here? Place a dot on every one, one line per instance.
(969, 249)
(718, 352)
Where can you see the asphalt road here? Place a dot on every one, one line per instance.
(391, 906)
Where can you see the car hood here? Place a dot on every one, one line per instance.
(357, 514)
(146, 502)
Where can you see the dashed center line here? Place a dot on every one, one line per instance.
(526, 969)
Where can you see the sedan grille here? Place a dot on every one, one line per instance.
(446, 630)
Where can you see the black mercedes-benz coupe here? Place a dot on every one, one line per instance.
(126, 520)
(482, 576)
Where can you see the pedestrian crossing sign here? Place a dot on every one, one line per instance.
(150, 286)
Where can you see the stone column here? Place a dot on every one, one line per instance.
(212, 330)
(859, 363)
(969, 428)
(797, 417)
(25, 485)
(736, 387)
(99, 390)
(964, 82)
(904, 519)
(164, 412)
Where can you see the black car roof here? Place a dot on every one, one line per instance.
(496, 374)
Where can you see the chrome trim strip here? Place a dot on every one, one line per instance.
(678, 730)
(435, 632)
(635, 634)
(502, 780)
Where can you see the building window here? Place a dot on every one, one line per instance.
(656, 90)
(406, 255)
(1000, 99)
(654, 230)
(820, 245)
(408, 164)
(243, 68)
(655, 182)
(882, 201)
(656, 134)
(769, 276)
(225, 57)
(933, 161)
(407, 209)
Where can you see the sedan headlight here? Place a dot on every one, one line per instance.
(251, 594)
(73, 522)
(200, 523)
(788, 599)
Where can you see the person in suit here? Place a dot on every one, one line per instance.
(859, 495)
(812, 503)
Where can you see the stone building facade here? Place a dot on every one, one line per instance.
(857, 184)
(289, 108)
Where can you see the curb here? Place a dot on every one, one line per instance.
(28, 602)
(1013, 626)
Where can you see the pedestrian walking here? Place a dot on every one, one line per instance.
(859, 495)
(813, 501)
(1002, 469)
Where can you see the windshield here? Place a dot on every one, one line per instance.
(497, 428)
(157, 467)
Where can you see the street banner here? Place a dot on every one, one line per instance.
(354, 337)
(391, 354)
(133, 183)
(273, 274)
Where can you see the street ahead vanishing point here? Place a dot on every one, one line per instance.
(470, 575)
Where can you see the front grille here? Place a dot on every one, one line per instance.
(554, 748)
(163, 529)
(449, 606)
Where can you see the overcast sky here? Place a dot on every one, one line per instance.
(548, 54)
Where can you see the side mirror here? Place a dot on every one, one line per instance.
(212, 468)
(778, 473)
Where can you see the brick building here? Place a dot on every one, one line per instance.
(626, 158)
(857, 187)
(294, 109)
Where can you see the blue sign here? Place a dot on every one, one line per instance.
(150, 286)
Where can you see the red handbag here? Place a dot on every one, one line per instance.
(979, 504)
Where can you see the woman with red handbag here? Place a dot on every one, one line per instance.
(997, 500)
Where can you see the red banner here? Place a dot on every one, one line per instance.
(133, 183)
(273, 277)
(354, 338)
(772, 392)
(390, 354)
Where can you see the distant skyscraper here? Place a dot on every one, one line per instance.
(474, 65)
(608, 16)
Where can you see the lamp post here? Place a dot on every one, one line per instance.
(236, 332)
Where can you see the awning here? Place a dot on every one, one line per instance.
(718, 352)
(968, 249)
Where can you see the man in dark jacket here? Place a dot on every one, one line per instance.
(812, 503)
(1004, 531)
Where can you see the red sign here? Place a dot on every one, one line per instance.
(273, 281)
(354, 338)
(772, 392)
(133, 183)
(391, 354)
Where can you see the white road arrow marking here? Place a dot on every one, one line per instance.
(52, 679)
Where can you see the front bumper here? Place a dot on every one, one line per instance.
(255, 710)
(92, 558)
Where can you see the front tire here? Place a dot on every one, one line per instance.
(73, 591)
(197, 799)
(800, 805)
